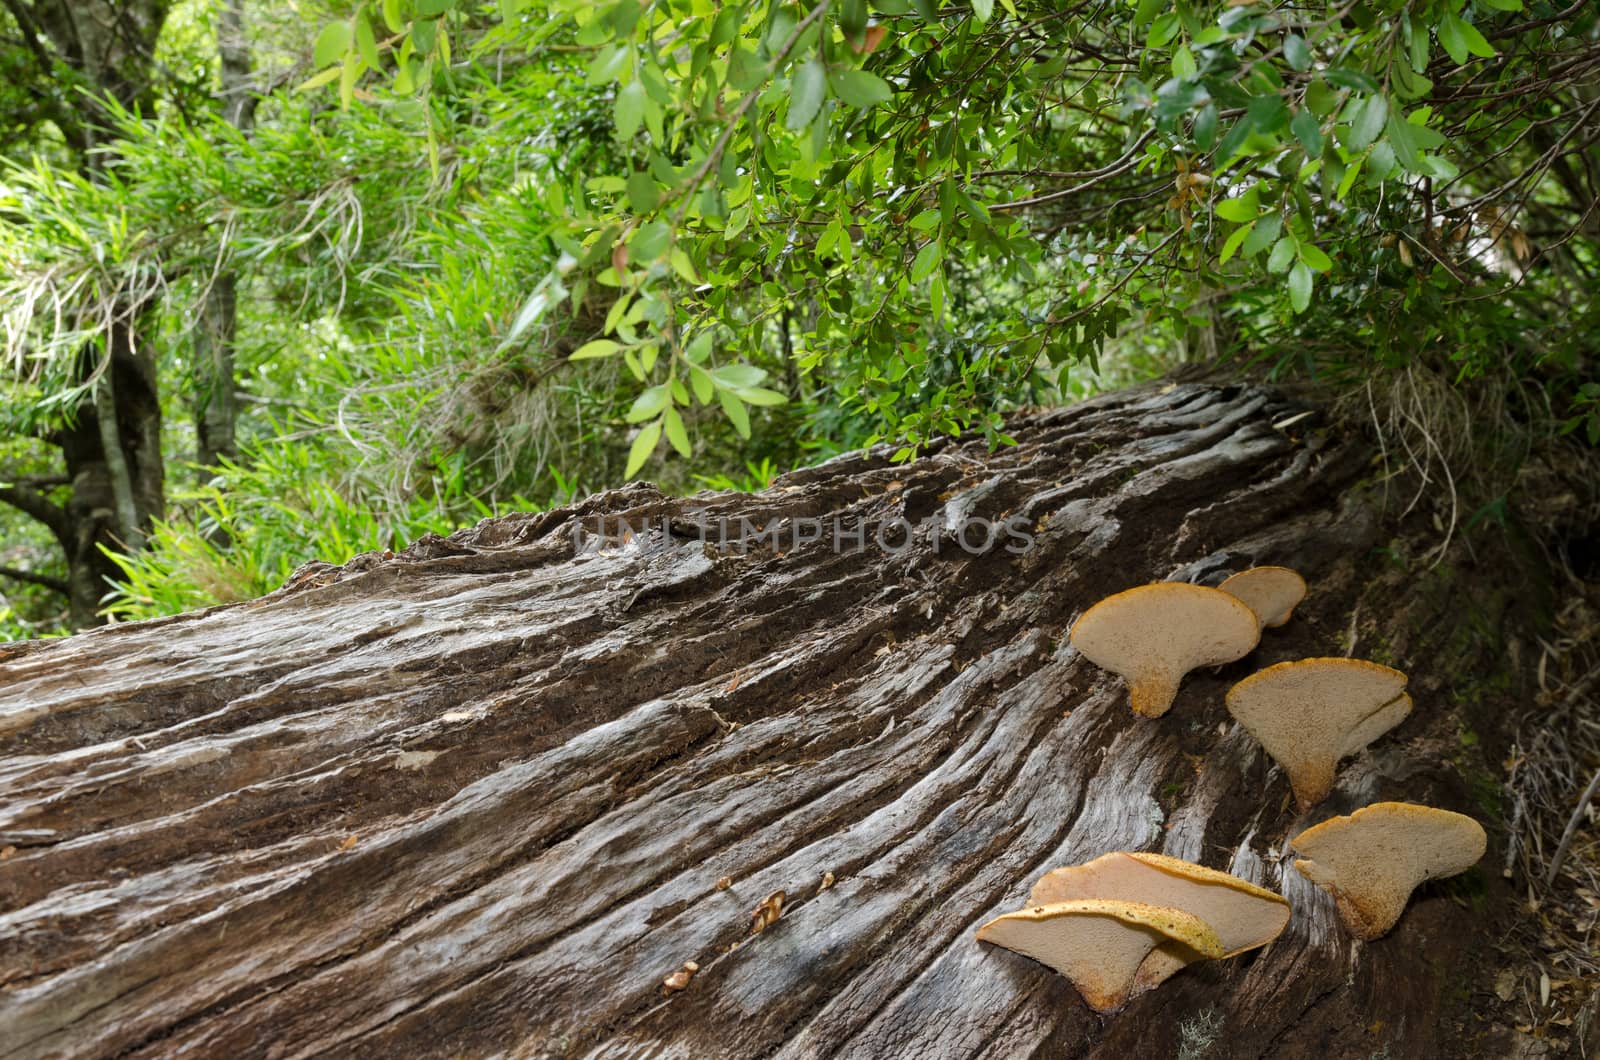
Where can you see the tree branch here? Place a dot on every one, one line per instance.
(54, 584)
(31, 502)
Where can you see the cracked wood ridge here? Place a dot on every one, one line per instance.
(476, 798)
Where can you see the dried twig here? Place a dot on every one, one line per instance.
(1571, 829)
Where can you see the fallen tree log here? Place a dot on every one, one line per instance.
(481, 796)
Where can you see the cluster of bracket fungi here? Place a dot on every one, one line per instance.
(1123, 923)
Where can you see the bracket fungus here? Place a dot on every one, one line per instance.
(1100, 944)
(1154, 634)
(1373, 859)
(1310, 713)
(1271, 592)
(1243, 915)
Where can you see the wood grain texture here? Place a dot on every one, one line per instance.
(475, 799)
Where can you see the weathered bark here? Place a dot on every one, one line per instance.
(477, 797)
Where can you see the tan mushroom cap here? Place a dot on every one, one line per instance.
(1100, 944)
(1373, 859)
(1243, 915)
(1152, 635)
(1271, 592)
(1311, 713)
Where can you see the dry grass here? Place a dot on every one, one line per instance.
(1553, 982)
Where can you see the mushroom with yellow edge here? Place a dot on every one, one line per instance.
(1243, 915)
(1100, 944)
(1152, 635)
(1373, 859)
(1271, 592)
(1311, 713)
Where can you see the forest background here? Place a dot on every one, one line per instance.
(291, 281)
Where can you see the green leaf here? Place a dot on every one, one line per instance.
(1368, 123)
(1205, 127)
(642, 447)
(1162, 30)
(1409, 85)
(608, 65)
(1313, 256)
(746, 70)
(366, 44)
(1300, 281)
(1404, 142)
(1282, 256)
(1308, 131)
(391, 16)
(347, 78)
(1355, 80)
(1348, 181)
(423, 36)
(700, 380)
(596, 348)
(682, 265)
(1241, 209)
(1297, 53)
(650, 242)
(1425, 138)
(643, 192)
(927, 260)
(628, 112)
(675, 432)
(759, 395)
(1380, 162)
(332, 43)
(1451, 38)
(648, 403)
(1320, 98)
(1268, 114)
(1262, 234)
(983, 11)
(859, 88)
(809, 87)
(1231, 245)
(1477, 44)
(1183, 64)
(1233, 139)
(319, 80)
(738, 415)
(738, 375)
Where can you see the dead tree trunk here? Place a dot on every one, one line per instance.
(477, 797)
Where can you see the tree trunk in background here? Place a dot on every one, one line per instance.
(92, 517)
(216, 407)
(117, 474)
(478, 796)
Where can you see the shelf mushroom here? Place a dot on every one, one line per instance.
(1373, 859)
(1311, 713)
(1100, 944)
(1271, 592)
(1243, 915)
(1152, 635)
